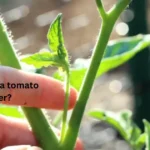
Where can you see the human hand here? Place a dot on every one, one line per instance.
(50, 94)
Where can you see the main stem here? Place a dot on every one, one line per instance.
(86, 87)
(41, 128)
(106, 29)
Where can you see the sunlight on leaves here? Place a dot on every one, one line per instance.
(57, 54)
(116, 53)
(11, 111)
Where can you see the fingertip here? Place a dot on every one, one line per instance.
(79, 145)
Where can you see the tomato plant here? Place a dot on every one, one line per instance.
(81, 76)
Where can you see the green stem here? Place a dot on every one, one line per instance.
(101, 9)
(118, 8)
(64, 122)
(41, 128)
(105, 31)
(57, 120)
(43, 132)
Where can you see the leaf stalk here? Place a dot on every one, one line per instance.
(101, 9)
(64, 118)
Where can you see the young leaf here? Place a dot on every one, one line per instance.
(123, 124)
(125, 117)
(147, 131)
(132, 130)
(43, 59)
(135, 132)
(117, 53)
(110, 118)
(57, 56)
(55, 38)
(140, 141)
(11, 111)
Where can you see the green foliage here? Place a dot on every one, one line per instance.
(11, 111)
(58, 57)
(43, 59)
(123, 124)
(147, 131)
(55, 38)
(110, 118)
(141, 141)
(116, 53)
(57, 54)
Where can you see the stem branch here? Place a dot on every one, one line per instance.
(101, 9)
(78, 111)
(105, 31)
(118, 8)
(64, 123)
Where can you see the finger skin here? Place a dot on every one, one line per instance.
(79, 145)
(50, 93)
(22, 147)
(16, 132)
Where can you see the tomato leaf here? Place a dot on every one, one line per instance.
(116, 53)
(57, 55)
(147, 131)
(11, 111)
(110, 118)
(141, 141)
(42, 59)
(123, 123)
(55, 38)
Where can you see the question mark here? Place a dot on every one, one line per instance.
(9, 96)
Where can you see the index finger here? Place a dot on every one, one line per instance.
(50, 93)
